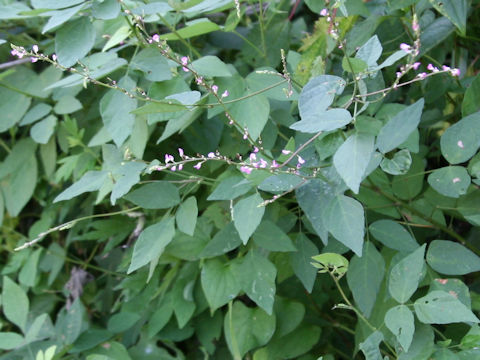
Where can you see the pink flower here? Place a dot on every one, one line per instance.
(35, 48)
(416, 65)
(455, 72)
(432, 68)
(324, 12)
(180, 167)
(211, 155)
(286, 152)
(253, 157)
(173, 168)
(246, 169)
(422, 75)
(445, 67)
(199, 80)
(399, 74)
(225, 93)
(405, 47)
(33, 59)
(156, 37)
(54, 57)
(300, 160)
(415, 26)
(274, 164)
(184, 60)
(215, 88)
(198, 166)
(245, 136)
(255, 149)
(263, 164)
(180, 152)
(169, 158)
(456, 180)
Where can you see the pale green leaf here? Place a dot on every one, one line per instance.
(10, 340)
(43, 130)
(153, 64)
(461, 140)
(91, 181)
(225, 240)
(211, 66)
(186, 216)
(324, 121)
(192, 28)
(318, 94)
(252, 114)
(269, 236)
(247, 215)
(352, 158)
(439, 307)
(399, 320)
(66, 105)
(74, 40)
(393, 235)
(15, 303)
(451, 181)
(69, 323)
(370, 347)
(406, 275)
(219, 283)
(451, 258)
(455, 11)
(399, 164)
(59, 17)
(105, 9)
(151, 243)
(35, 113)
(157, 195)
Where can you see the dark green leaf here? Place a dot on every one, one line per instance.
(157, 195)
(247, 215)
(451, 258)
(301, 261)
(15, 303)
(74, 40)
(399, 320)
(219, 283)
(271, 237)
(393, 235)
(451, 181)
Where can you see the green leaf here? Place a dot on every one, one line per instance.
(211, 66)
(344, 219)
(160, 318)
(153, 64)
(352, 158)
(454, 287)
(35, 113)
(408, 186)
(435, 33)
(393, 235)
(256, 276)
(126, 175)
(225, 240)
(264, 77)
(461, 140)
(271, 237)
(406, 275)
(318, 94)
(365, 276)
(43, 130)
(219, 283)
(122, 321)
(370, 347)
(455, 11)
(13, 106)
(354, 65)
(53, 4)
(370, 52)
(399, 127)
(192, 28)
(439, 307)
(451, 181)
(289, 315)
(118, 36)
(187, 216)
(247, 215)
(15, 303)
(10, 340)
(74, 40)
(422, 344)
(66, 105)
(151, 243)
(471, 99)
(399, 164)
(105, 9)
(115, 108)
(300, 261)
(280, 183)
(451, 258)
(324, 121)
(69, 322)
(230, 188)
(252, 114)
(160, 107)
(247, 328)
(91, 181)
(399, 320)
(157, 195)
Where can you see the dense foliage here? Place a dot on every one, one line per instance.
(257, 179)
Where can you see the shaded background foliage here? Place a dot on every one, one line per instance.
(170, 168)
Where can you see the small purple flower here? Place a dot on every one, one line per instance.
(215, 88)
(211, 155)
(253, 157)
(33, 59)
(286, 152)
(173, 168)
(54, 57)
(455, 72)
(255, 149)
(405, 47)
(180, 167)
(415, 26)
(263, 164)
(422, 75)
(156, 38)
(245, 169)
(225, 94)
(199, 80)
(432, 68)
(35, 48)
(300, 160)
(274, 164)
(169, 158)
(399, 74)
(416, 65)
(460, 144)
(180, 152)
(445, 67)
(324, 12)
(198, 166)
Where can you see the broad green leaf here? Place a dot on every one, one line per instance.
(399, 127)
(219, 283)
(300, 261)
(371, 51)
(344, 219)
(455, 11)
(471, 99)
(271, 237)
(318, 94)
(28, 274)
(267, 77)
(59, 17)
(225, 240)
(451, 258)
(399, 320)
(451, 181)
(393, 235)
(435, 34)
(105, 9)
(122, 321)
(280, 183)
(399, 164)
(469, 206)
(115, 108)
(352, 158)
(91, 181)
(192, 28)
(74, 40)
(153, 64)
(365, 276)
(66, 105)
(247, 215)
(370, 347)
(408, 186)
(210, 66)
(247, 328)
(43, 130)
(35, 113)
(15, 303)
(126, 175)
(461, 140)
(439, 307)
(13, 106)
(54, 4)
(331, 262)
(289, 315)
(230, 188)
(324, 121)
(90, 338)
(157, 195)
(118, 36)
(406, 275)
(422, 345)
(186, 216)
(166, 106)
(160, 318)
(392, 59)
(256, 276)
(10, 340)
(354, 65)
(151, 243)
(252, 114)
(454, 287)
(69, 323)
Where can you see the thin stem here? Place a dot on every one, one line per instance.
(182, 40)
(303, 146)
